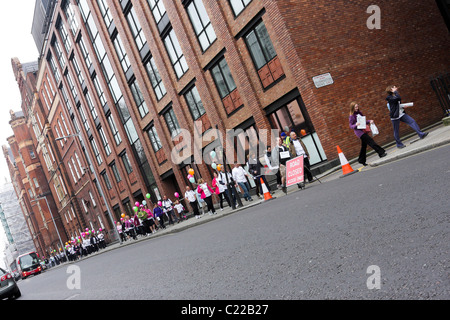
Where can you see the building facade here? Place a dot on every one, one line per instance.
(131, 77)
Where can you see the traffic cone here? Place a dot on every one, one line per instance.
(267, 195)
(346, 168)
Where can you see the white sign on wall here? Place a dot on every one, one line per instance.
(323, 80)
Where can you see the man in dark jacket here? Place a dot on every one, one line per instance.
(397, 114)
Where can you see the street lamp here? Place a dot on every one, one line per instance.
(53, 219)
(100, 189)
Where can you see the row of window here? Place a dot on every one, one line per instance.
(257, 40)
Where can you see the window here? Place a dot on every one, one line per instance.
(176, 54)
(75, 167)
(154, 138)
(71, 86)
(121, 54)
(36, 184)
(77, 71)
(172, 123)
(155, 79)
(84, 118)
(106, 14)
(114, 130)
(85, 53)
(79, 163)
(116, 172)
(157, 8)
(264, 55)
(194, 103)
(91, 105)
(226, 86)
(32, 154)
(239, 5)
(54, 68)
(139, 99)
(71, 171)
(71, 17)
(94, 204)
(98, 157)
(136, 29)
(106, 180)
(104, 141)
(59, 54)
(126, 163)
(201, 23)
(64, 37)
(100, 93)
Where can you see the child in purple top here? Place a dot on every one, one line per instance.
(362, 134)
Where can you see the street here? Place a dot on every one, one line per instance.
(312, 244)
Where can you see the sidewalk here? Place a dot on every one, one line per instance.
(439, 135)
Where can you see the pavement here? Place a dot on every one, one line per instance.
(439, 135)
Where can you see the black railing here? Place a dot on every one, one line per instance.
(441, 86)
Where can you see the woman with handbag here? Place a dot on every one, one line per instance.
(366, 140)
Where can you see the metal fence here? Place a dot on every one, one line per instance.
(441, 86)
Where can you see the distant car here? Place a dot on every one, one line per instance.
(8, 286)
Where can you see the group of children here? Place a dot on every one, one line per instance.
(85, 246)
(145, 222)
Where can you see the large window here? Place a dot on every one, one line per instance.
(201, 23)
(136, 28)
(121, 53)
(104, 141)
(106, 14)
(106, 180)
(158, 9)
(113, 127)
(239, 5)
(154, 138)
(226, 86)
(194, 103)
(264, 55)
(97, 155)
(172, 122)
(176, 54)
(115, 172)
(126, 163)
(139, 99)
(155, 79)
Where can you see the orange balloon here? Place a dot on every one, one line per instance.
(191, 172)
(303, 132)
(123, 215)
(219, 167)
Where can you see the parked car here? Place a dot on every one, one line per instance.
(8, 286)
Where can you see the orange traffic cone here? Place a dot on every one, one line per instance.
(346, 168)
(267, 195)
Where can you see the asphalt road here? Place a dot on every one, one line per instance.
(313, 244)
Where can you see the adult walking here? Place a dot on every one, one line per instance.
(192, 198)
(362, 134)
(296, 149)
(239, 176)
(206, 193)
(397, 114)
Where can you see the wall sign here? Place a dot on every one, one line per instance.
(323, 80)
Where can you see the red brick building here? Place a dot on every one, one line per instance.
(130, 75)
